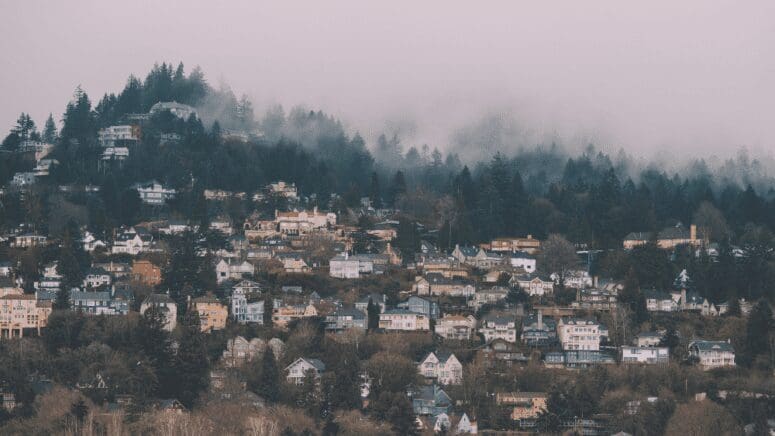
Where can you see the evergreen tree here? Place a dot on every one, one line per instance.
(397, 188)
(759, 329)
(191, 364)
(50, 130)
(374, 192)
(268, 383)
(268, 305)
(154, 341)
(372, 312)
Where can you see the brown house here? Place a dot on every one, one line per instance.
(145, 272)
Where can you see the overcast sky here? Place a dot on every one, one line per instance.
(691, 75)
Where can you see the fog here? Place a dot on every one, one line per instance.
(691, 78)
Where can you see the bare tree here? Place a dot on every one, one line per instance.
(558, 256)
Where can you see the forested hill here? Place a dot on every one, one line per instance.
(592, 198)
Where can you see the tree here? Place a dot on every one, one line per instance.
(372, 312)
(191, 364)
(50, 130)
(758, 331)
(374, 192)
(397, 188)
(395, 408)
(702, 418)
(154, 341)
(268, 382)
(558, 256)
(407, 237)
(710, 222)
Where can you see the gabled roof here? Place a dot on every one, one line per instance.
(316, 363)
(158, 299)
(703, 345)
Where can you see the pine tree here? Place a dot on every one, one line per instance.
(758, 331)
(268, 312)
(374, 192)
(372, 312)
(50, 130)
(191, 364)
(154, 341)
(397, 187)
(268, 383)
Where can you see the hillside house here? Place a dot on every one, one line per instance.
(298, 370)
(456, 327)
(441, 366)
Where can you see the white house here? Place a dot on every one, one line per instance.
(132, 240)
(344, 267)
(91, 243)
(155, 193)
(403, 320)
(712, 354)
(243, 310)
(96, 277)
(520, 259)
(225, 270)
(456, 327)
(646, 355)
(495, 326)
(180, 110)
(298, 370)
(118, 135)
(532, 284)
(441, 366)
(579, 334)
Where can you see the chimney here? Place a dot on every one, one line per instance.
(693, 232)
(683, 298)
(540, 320)
(594, 281)
(529, 236)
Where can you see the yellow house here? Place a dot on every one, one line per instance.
(212, 314)
(22, 311)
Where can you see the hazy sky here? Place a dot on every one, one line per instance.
(691, 75)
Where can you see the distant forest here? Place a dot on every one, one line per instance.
(592, 198)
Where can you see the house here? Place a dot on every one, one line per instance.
(6, 268)
(176, 227)
(646, 355)
(437, 284)
(222, 224)
(712, 354)
(28, 240)
(421, 305)
(22, 311)
(573, 279)
(293, 263)
(240, 351)
(538, 332)
(300, 367)
(528, 244)
(180, 110)
(500, 350)
(465, 426)
(648, 339)
(91, 243)
(430, 400)
(521, 259)
(23, 179)
(379, 299)
(345, 267)
(497, 326)
(131, 240)
(476, 257)
(577, 359)
(659, 301)
(245, 309)
(114, 154)
(533, 284)
(154, 193)
(443, 367)
(667, 238)
(123, 135)
(225, 270)
(96, 278)
(7, 400)
(346, 319)
(297, 223)
(456, 327)
(98, 302)
(212, 314)
(525, 406)
(488, 296)
(595, 299)
(50, 279)
(164, 304)
(403, 320)
(283, 189)
(145, 272)
(579, 334)
(283, 315)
